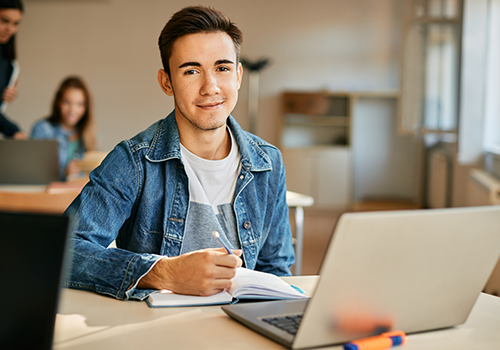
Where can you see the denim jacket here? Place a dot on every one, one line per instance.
(139, 196)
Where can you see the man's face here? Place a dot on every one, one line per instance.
(204, 79)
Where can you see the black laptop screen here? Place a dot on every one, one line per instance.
(32, 250)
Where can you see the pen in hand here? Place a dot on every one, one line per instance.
(222, 243)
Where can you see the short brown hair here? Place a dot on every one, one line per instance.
(192, 20)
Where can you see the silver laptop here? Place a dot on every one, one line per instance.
(28, 162)
(402, 270)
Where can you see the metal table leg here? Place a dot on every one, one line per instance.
(299, 239)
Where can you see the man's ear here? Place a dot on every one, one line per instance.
(165, 83)
(239, 74)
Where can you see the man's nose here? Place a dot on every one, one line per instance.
(210, 85)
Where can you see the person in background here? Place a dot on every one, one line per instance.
(71, 123)
(11, 14)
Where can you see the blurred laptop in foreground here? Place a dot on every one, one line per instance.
(32, 251)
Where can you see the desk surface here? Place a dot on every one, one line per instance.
(91, 321)
(50, 199)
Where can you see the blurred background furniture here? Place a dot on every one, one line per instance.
(297, 202)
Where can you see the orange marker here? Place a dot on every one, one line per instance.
(378, 342)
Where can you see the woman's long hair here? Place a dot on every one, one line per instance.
(9, 48)
(85, 127)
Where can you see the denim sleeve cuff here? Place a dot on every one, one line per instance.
(139, 265)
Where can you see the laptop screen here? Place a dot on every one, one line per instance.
(32, 249)
(29, 162)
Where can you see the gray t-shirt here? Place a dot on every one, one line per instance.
(212, 184)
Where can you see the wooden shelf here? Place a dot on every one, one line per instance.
(316, 119)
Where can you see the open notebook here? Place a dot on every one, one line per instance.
(247, 284)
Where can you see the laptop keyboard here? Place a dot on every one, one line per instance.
(289, 323)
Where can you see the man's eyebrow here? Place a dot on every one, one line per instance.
(224, 61)
(197, 64)
(189, 64)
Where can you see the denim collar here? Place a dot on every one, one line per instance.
(165, 145)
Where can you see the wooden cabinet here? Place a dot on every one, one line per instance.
(345, 149)
(315, 142)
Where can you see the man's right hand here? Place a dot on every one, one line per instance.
(202, 272)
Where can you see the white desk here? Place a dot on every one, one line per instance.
(90, 321)
(298, 201)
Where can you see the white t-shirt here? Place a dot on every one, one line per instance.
(212, 185)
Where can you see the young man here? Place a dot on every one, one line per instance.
(162, 193)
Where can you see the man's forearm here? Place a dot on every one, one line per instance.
(155, 278)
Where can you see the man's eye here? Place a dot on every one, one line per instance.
(224, 69)
(190, 72)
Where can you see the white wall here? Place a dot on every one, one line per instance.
(314, 44)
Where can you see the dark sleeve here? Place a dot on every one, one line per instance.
(7, 127)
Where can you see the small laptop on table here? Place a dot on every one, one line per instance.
(32, 251)
(28, 162)
(413, 271)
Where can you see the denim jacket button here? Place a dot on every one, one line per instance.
(247, 225)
